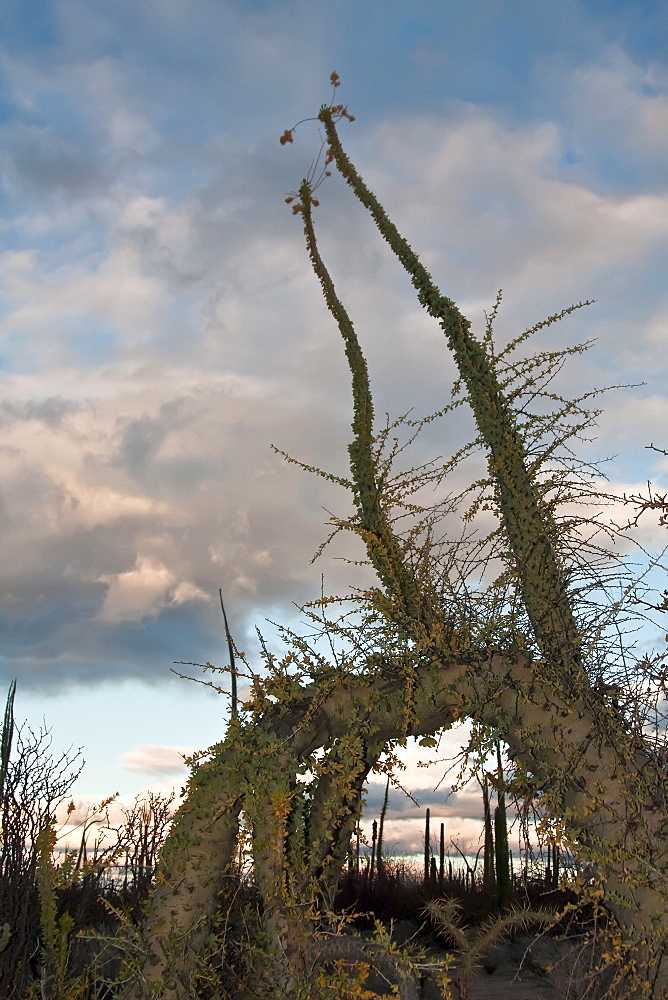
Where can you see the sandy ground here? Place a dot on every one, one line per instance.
(507, 982)
(504, 984)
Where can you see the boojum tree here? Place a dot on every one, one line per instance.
(525, 656)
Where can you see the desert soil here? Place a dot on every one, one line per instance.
(504, 984)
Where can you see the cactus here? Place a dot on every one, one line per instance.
(488, 878)
(380, 864)
(552, 867)
(7, 736)
(374, 836)
(441, 865)
(426, 850)
(555, 866)
(55, 930)
(501, 841)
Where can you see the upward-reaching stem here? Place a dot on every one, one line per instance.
(381, 542)
(233, 669)
(527, 523)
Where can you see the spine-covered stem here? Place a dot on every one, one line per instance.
(335, 810)
(381, 542)
(527, 524)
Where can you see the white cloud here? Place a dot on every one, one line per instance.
(611, 101)
(505, 213)
(187, 592)
(90, 507)
(137, 593)
(148, 758)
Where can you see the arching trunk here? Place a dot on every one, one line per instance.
(598, 780)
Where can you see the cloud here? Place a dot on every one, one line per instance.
(466, 804)
(137, 593)
(520, 221)
(44, 163)
(147, 758)
(186, 592)
(143, 591)
(617, 107)
(165, 328)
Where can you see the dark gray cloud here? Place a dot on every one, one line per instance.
(466, 804)
(50, 411)
(42, 163)
(140, 439)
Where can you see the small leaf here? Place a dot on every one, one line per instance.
(427, 741)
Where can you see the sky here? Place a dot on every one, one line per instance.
(161, 329)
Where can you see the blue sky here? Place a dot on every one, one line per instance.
(160, 327)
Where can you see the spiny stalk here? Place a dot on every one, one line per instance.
(381, 542)
(527, 523)
(233, 670)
